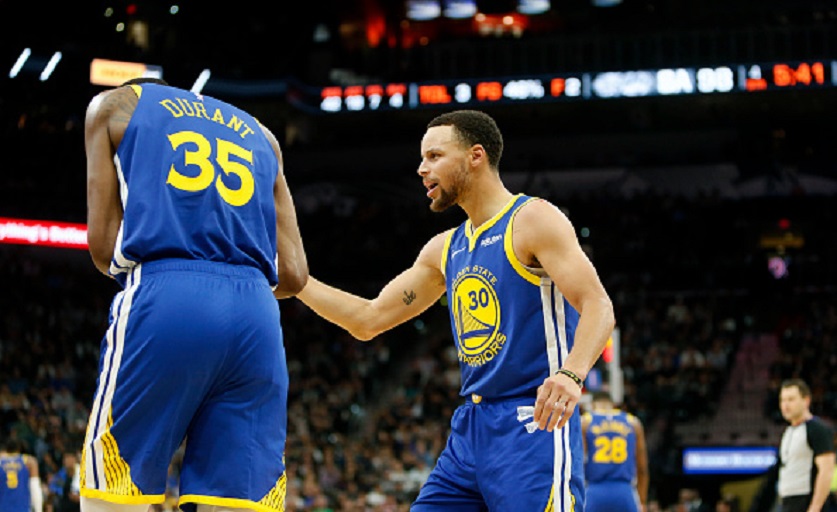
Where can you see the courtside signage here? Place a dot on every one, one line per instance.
(728, 460)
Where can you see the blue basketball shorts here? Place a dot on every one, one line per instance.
(194, 351)
(612, 497)
(493, 463)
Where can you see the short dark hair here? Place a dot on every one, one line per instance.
(598, 396)
(800, 384)
(145, 80)
(474, 127)
(13, 445)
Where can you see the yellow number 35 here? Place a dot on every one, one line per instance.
(200, 156)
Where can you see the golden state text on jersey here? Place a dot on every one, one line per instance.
(513, 327)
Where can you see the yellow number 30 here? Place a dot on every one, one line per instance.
(610, 451)
(200, 156)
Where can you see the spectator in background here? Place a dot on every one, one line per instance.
(806, 452)
(64, 486)
(691, 501)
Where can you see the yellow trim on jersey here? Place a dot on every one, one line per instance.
(521, 269)
(228, 502)
(137, 90)
(473, 235)
(142, 499)
(446, 249)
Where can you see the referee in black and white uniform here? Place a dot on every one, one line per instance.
(806, 453)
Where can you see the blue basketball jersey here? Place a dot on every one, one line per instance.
(196, 182)
(512, 326)
(611, 448)
(14, 484)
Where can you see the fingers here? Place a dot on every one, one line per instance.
(561, 413)
(555, 403)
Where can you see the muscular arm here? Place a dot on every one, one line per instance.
(822, 485)
(406, 296)
(292, 267)
(642, 474)
(544, 237)
(104, 124)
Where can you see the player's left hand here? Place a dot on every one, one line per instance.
(557, 399)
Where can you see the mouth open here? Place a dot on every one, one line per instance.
(431, 187)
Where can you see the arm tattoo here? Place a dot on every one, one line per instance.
(409, 297)
(121, 105)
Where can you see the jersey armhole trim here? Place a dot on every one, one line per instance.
(445, 249)
(508, 245)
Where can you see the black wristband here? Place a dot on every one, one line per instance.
(571, 375)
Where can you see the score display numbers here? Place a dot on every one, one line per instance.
(581, 86)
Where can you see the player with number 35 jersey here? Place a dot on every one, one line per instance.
(188, 209)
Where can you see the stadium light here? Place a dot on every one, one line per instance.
(199, 84)
(50, 67)
(21, 60)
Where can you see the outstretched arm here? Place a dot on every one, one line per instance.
(406, 296)
(544, 237)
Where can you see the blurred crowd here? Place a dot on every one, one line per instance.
(367, 420)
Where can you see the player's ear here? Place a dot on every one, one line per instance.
(477, 155)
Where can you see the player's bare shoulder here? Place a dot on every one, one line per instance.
(112, 108)
(537, 210)
(538, 224)
(432, 252)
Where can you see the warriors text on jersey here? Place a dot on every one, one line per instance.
(513, 329)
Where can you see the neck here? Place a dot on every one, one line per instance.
(485, 199)
(801, 419)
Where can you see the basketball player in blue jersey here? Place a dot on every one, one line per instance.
(189, 210)
(616, 458)
(20, 483)
(529, 317)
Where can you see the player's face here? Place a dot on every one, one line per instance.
(793, 404)
(443, 168)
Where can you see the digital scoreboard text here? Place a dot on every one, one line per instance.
(581, 86)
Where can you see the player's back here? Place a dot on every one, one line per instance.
(196, 181)
(14, 484)
(611, 448)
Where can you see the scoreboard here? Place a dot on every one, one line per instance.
(576, 86)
